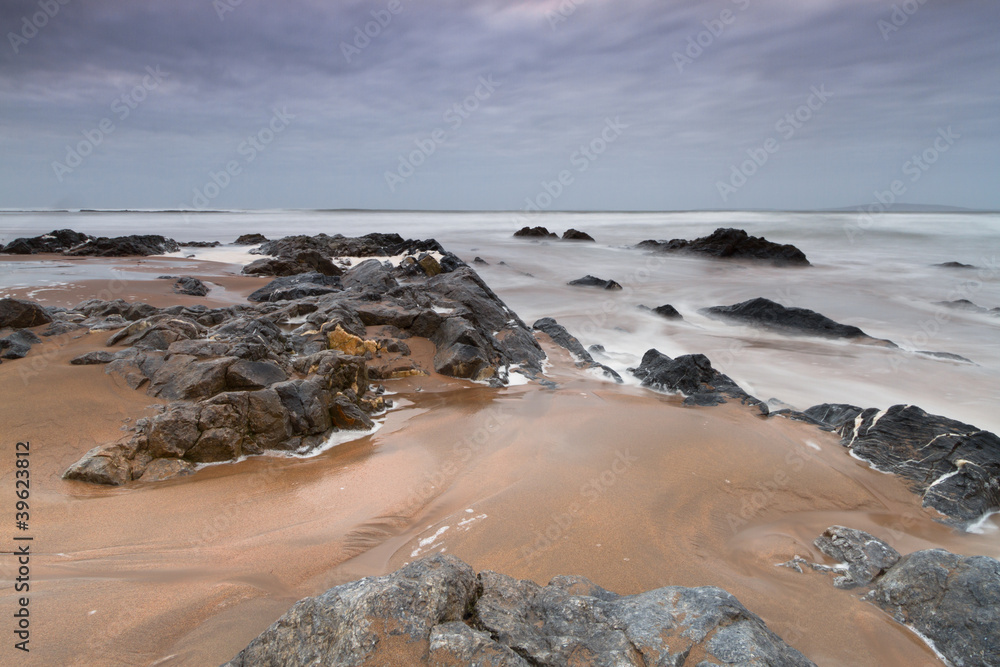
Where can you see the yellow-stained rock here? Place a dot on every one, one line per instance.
(348, 343)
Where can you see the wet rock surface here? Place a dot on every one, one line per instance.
(534, 233)
(55, 241)
(770, 315)
(250, 239)
(693, 376)
(439, 611)
(563, 338)
(576, 235)
(190, 286)
(866, 556)
(21, 314)
(124, 246)
(728, 243)
(594, 281)
(665, 311)
(955, 467)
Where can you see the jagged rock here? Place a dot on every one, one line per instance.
(463, 361)
(245, 374)
(770, 315)
(534, 233)
(250, 239)
(187, 377)
(370, 274)
(955, 467)
(593, 281)
(303, 261)
(665, 311)
(124, 246)
(437, 611)
(190, 286)
(480, 260)
(157, 332)
(952, 600)
(62, 328)
(866, 556)
(693, 376)
(56, 241)
(560, 336)
(18, 344)
(159, 470)
(19, 314)
(102, 465)
(92, 358)
(727, 243)
(955, 265)
(294, 287)
(200, 244)
(575, 235)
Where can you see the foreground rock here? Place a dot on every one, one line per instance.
(55, 241)
(951, 600)
(770, 315)
(437, 611)
(955, 467)
(727, 243)
(693, 376)
(560, 336)
(534, 233)
(20, 314)
(190, 286)
(594, 281)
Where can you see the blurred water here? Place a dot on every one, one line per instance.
(876, 273)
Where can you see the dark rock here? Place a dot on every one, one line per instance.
(250, 239)
(866, 556)
(952, 600)
(770, 315)
(596, 349)
(436, 611)
(370, 274)
(945, 355)
(101, 465)
(575, 235)
(183, 376)
(955, 265)
(733, 244)
(56, 241)
(560, 336)
(200, 244)
(253, 374)
(480, 260)
(955, 467)
(593, 281)
(534, 233)
(18, 344)
(159, 470)
(965, 304)
(19, 314)
(295, 287)
(665, 311)
(463, 361)
(190, 286)
(92, 358)
(302, 261)
(124, 246)
(693, 376)
(61, 328)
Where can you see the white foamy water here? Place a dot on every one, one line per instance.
(875, 273)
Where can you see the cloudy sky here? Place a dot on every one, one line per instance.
(487, 104)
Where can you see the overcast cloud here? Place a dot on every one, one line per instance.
(266, 88)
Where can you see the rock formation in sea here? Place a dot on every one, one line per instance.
(693, 376)
(728, 243)
(438, 611)
(594, 281)
(563, 338)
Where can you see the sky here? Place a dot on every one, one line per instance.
(499, 105)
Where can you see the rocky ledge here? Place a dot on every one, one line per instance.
(244, 380)
(727, 243)
(693, 376)
(955, 467)
(770, 315)
(438, 611)
(952, 601)
(75, 244)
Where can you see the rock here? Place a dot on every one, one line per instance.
(534, 233)
(124, 246)
(159, 470)
(199, 244)
(19, 314)
(190, 286)
(56, 241)
(91, 358)
(955, 467)
(952, 600)
(250, 239)
(666, 311)
(965, 304)
(727, 243)
(770, 315)
(18, 344)
(463, 361)
(574, 235)
(348, 343)
(370, 274)
(186, 377)
(436, 611)
(62, 328)
(955, 265)
(245, 374)
(429, 264)
(101, 465)
(866, 556)
(294, 287)
(303, 261)
(560, 336)
(480, 260)
(693, 376)
(593, 281)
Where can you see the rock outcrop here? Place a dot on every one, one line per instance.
(727, 243)
(534, 233)
(866, 557)
(770, 315)
(141, 245)
(250, 239)
(563, 338)
(955, 467)
(438, 611)
(576, 235)
(693, 376)
(594, 281)
(190, 286)
(55, 241)
(21, 314)
(665, 311)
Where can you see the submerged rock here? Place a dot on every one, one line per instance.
(560, 336)
(693, 376)
(594, 281)
(665, 311)
(770, 315)
(728, 243)
(867, 557)
(575, 235)
(250, 239)
(534, 233)
(437, 611)
(955, 467)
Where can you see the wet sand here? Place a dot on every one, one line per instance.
(616, 483)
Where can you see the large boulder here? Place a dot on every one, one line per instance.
(124, 246)
(693, 376)
(56, 241)
(437, 611)
(866, 557)
(954, 466)
(19, 314)
(576, 235)
(534, 233)
(594, 281)
(563, 338)
(770, 315)
(728, 243)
